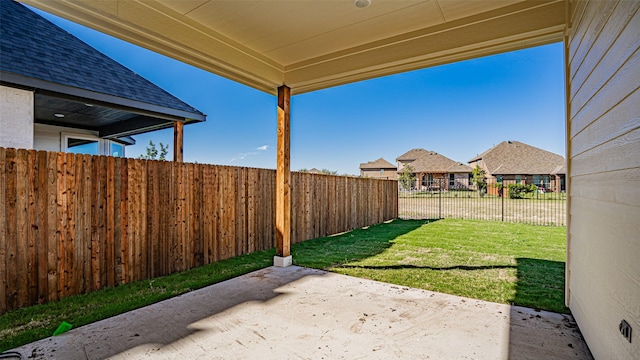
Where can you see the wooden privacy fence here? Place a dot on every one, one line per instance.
(71, 224)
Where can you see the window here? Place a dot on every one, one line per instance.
(115, 149)
(424, 180)
(499, 179)
(518, 179)
(452, 180)
(381, 171)
(81, 144)
(546, 181)
(90, 145)
(536, 180)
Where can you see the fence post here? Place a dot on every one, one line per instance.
(440, 199)
(502, 202)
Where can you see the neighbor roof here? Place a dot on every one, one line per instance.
(412, 154)
(316, 44)
(36, 54)
(516, 158)
(377, 164)
(426, 161)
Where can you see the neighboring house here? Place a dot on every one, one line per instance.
(434, 171)
(379, 169)
(513, 162)
(59, 94)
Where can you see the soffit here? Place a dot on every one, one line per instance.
(107, 120)
(314, 44)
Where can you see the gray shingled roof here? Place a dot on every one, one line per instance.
(459, 168)
(516, 158)
(412, 154)
(431, 162)
(377, 164)
(34, 48)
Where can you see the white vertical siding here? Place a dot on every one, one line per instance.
(16, 118)
(604, 168)
(47, 137)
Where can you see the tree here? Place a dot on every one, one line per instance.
(406, 178)
(152, 152)
(323, 171)
(479, 180)
(328, 172)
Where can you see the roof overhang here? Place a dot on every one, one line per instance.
(311, 45)
(111, 116)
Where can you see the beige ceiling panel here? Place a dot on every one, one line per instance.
(546, 22)
(509, 19)
(185, 33)
(453, 10)
(415, 17)
(429, 60)
(106, 7)
(268, 25)
(183, 6)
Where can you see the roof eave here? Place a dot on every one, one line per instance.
(74, 93)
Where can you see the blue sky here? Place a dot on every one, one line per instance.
(458, 110)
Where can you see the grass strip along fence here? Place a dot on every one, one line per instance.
(71, 224)
(501, 262)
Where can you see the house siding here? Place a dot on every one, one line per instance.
(48, 137)
(603, 73)
(389, 174)
(16, 118)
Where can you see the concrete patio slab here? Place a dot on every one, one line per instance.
(300, 313)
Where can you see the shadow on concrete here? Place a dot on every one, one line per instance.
(533, 331)
(540, 284)
(163, 324)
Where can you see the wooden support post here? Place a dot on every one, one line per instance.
(177, 140)
(283, 175)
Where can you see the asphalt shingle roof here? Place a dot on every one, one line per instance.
(431, 162)
(32, 46)
(516, 158)
(377, 164)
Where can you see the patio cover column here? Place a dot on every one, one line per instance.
(283, 176)
(177, 140)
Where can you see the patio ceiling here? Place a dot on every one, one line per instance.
(311, 45)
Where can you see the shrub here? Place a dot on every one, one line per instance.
(517, 191)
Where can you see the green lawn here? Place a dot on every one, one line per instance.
(501, 262)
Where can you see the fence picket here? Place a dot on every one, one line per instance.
(3, 237)
(32, 227)
(52, 230)
(11, 228)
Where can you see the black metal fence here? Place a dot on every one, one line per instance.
(514, 200)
